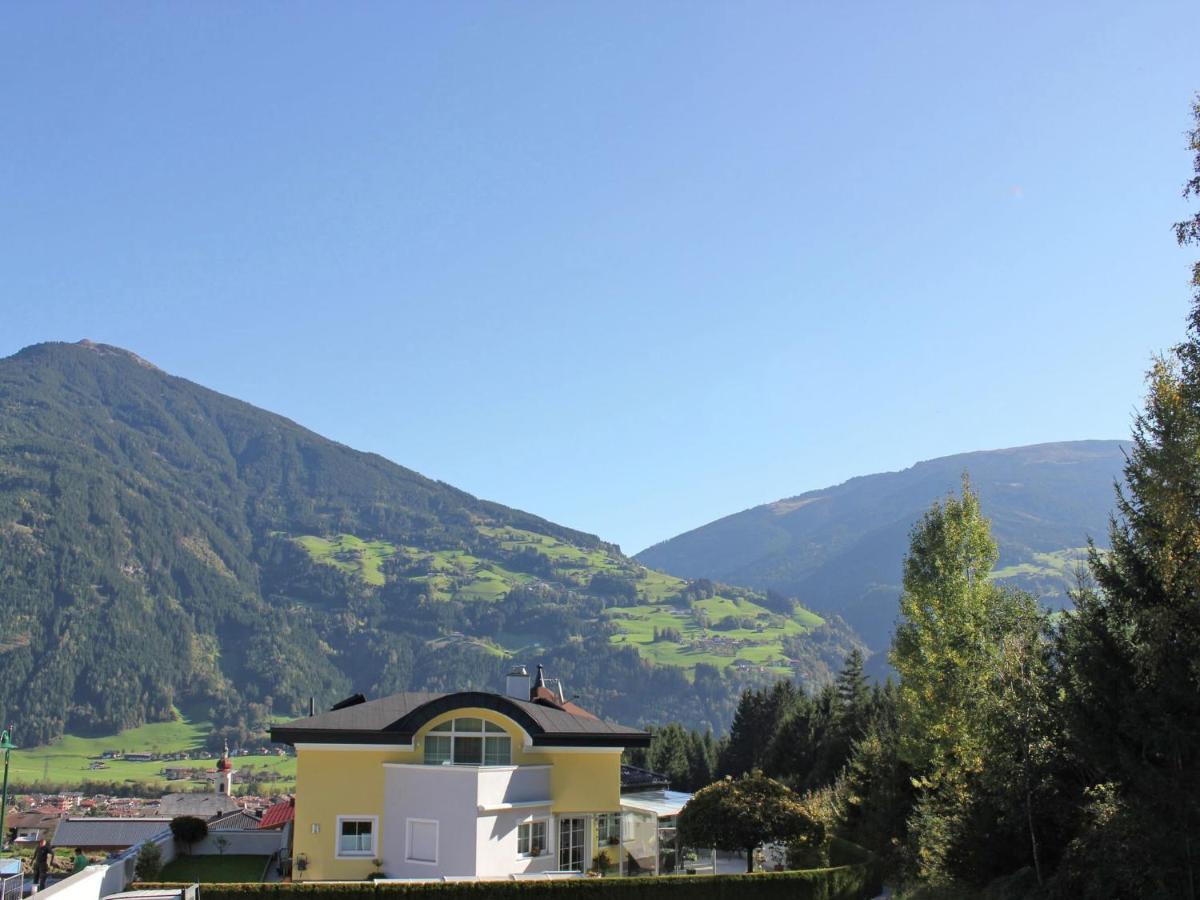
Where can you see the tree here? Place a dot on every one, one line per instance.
(149, 862)
(854, 694)
(1022, 733)
(668, 754)
(940, 648)
(972, 659)
(1129, 651)
(189, 830)
(743, 813)
(754, 723)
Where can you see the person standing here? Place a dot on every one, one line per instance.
(81, 861)
(41, 864)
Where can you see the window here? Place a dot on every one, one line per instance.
(608, 828)
(531, 839)
(422, 841)
(570, 843)
(468, 742)
(356, 836)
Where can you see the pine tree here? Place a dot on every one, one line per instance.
(755, 722)
(1129, 651)
(668, 754)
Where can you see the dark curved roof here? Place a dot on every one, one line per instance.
(395, 719)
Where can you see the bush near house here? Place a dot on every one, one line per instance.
(850, 882)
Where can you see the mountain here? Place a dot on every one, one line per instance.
(841, 549)
(165, 547)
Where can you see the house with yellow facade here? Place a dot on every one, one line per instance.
(468, 784)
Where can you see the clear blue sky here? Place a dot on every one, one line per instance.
(630, 266)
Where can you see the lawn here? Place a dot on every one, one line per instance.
(215, 869)
(69, 761)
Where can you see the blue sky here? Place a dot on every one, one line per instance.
(629, 266)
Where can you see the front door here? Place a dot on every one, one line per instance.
(571, 843)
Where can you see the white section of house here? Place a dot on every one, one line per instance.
(463, 820)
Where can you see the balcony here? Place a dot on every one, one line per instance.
(479, 788)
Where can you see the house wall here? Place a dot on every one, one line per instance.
(353, 781)
(496, 843)
(446, 795)
(332, 783)
(584, 781)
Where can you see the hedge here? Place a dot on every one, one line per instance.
(858, 880)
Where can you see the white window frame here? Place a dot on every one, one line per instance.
(546, 848)
(437, 841)
(620, 835)
(337, 838)
(483, 734)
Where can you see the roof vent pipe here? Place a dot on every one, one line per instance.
(312, 706)
(516, 685)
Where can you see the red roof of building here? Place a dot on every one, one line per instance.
(279, 815)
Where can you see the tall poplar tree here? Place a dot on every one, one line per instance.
(971, 656)
(941, 648)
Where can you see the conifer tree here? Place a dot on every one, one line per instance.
(1130, 649)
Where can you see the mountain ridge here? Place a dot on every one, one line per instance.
(162, 544)
(840, 548)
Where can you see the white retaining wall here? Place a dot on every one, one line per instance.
(240, 843)
(111, 877)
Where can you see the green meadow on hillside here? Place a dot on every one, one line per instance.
(1056, 564)
(460, 575)
(759, 644)
(69, 760)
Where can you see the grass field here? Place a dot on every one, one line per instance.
(1059, 564)
(459, 575)
(214, 869)
(68, 761)
(350, 554)
(760, 645)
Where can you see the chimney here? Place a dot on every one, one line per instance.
(541, 690)
(516, 685)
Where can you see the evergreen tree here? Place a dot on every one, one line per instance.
(854, 694)
(1133, 684)
(755, 722)
(668, 755)
(702, 760)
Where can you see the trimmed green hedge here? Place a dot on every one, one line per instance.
(847, 882)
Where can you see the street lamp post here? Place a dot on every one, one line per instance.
(8, 747)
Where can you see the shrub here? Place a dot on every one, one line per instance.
(188, 830)
(149, 862)
(843, 883)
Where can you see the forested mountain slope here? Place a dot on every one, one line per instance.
(840, 549)
(162, 545)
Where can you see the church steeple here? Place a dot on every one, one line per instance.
(225, 773)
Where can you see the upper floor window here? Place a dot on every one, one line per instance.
(468, 742)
